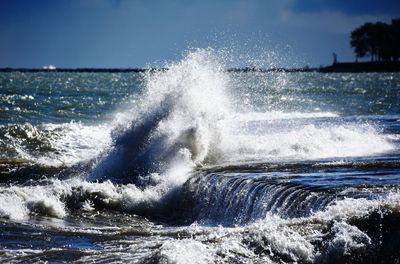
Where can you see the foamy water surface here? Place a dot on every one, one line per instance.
(199, 165)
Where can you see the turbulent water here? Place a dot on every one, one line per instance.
(196, 164)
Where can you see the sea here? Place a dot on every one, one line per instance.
(197, 164)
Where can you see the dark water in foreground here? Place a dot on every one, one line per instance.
(196, 165)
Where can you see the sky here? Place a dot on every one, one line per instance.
(142, 33)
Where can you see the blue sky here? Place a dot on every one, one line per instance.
(137, 33)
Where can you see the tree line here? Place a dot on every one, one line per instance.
(379, 41)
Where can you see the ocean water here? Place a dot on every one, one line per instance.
(199, 165)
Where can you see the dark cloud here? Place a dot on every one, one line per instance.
(351, 7)
(132, 33)
(13, 10)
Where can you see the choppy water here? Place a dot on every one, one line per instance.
(199, 165)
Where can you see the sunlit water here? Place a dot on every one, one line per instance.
(199, 165)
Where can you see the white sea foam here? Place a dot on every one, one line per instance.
(346, 238)
(278, 115)
(291, 239)
(18, 203)
(12, 206)
(185, 251)
(66, 143)
(78, 142)
(307, 142)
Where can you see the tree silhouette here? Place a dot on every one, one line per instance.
(395, 39)
(379, 40)
(359, 41)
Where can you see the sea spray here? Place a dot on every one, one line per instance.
(175, 123)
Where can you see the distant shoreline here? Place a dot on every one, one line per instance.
(390, 66)
(336, 67)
